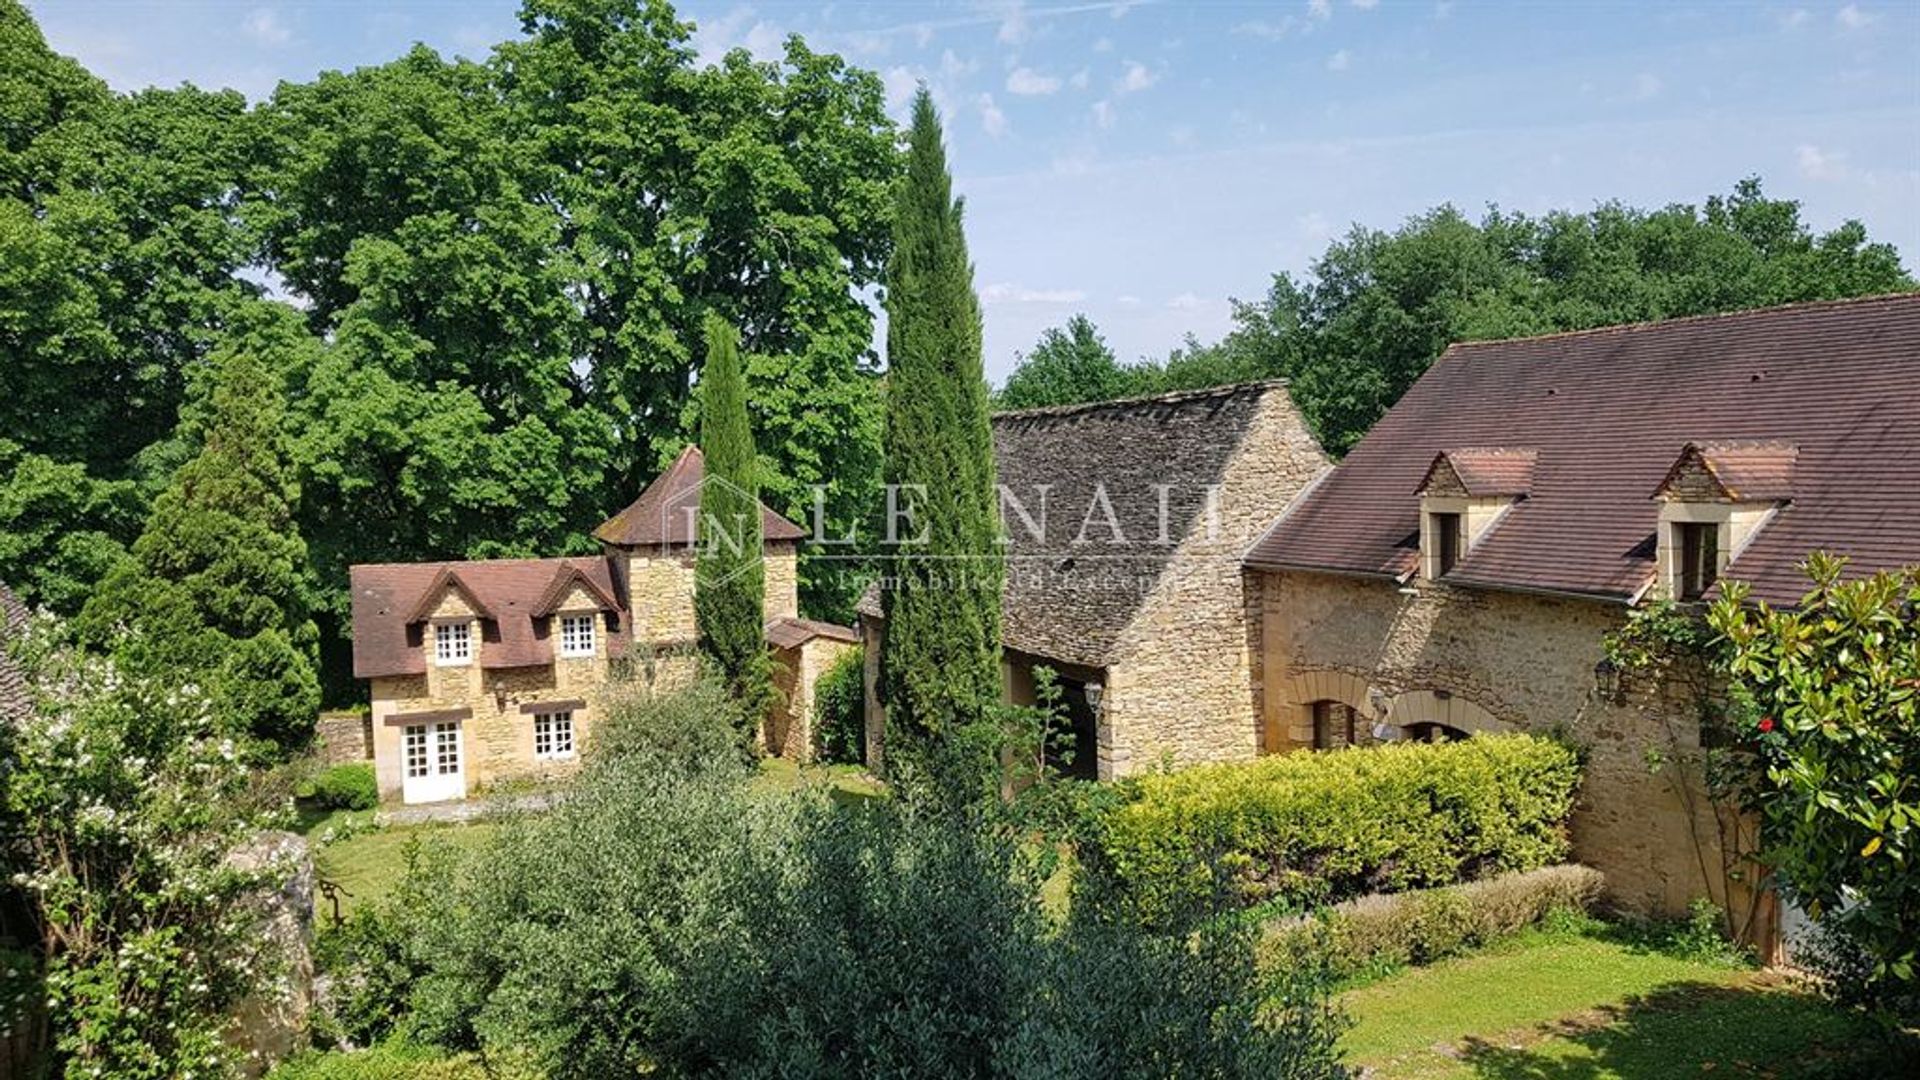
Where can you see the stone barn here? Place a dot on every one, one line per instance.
(1126, 524)
(1458, 571)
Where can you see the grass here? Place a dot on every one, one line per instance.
(1591, 1006)
(844, 783)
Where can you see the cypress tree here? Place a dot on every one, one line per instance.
(941, 661)
(729, 598)
(216, 588)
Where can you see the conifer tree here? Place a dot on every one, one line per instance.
(215, 588)
(941, 662)
(729, 599)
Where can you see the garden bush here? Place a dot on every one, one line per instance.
(347, 787)
(1298, 829)
(840, 711)
(1390, 930)
(672, 917)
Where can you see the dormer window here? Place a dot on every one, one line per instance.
(1462, 497)
(1715, 498)
(452, 643)
(576, 636)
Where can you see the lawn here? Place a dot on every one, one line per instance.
(1594, 1006)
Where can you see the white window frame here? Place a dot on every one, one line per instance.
(572, 629)
(453, 643)
(554, 736)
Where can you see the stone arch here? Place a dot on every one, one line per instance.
(1443, 707)
(1294, 727)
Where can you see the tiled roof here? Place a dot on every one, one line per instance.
(15, 702)
(786, 632)
(1069, 600)
(664, 513)
(1608, 412)
(1484, 473)
(388, 640)
(1743, 472)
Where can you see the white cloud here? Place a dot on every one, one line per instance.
(992, 120)
(1006, 292)
(1013, 24)
(1795, 18)
(1103, 116)
(900, 83)
(952, 67)
(1646, 86)
(766, 41)
(1818, 164)
(1027, 82)
(1366, 5)
(1320, 9)
(1272, 31)
(265, 27)
(923, 35)
(1340, 61)
(1080, 79)
(1136, 78)
(1852, 18)
(1186, 301)
(1103, 45)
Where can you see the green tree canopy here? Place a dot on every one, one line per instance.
(941, 663)
(216, 588)
(1069, 365)
(1378, 307)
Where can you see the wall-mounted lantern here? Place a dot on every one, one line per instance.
(1606, 679)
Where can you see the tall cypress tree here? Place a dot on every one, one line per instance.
(941, 662)
(729, 594)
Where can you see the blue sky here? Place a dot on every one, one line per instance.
(1144, 162)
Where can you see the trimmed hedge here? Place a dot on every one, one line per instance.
(347, 787)
(1390, 930)
(1300, 829)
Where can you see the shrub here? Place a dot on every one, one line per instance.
(347, 787)
(1389, 930)
(681, 922)
(690, 724)
(399, 1061)
(1297, 829)
(840, 710)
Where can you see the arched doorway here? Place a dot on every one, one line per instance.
(1335, 724)
(1431, 732)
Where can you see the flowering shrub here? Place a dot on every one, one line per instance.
(121, 807)
(1827, 699)
(1302, 828)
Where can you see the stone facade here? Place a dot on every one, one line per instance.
(796, 671)
(1182, 688)
(343, 737)
(1483, 660)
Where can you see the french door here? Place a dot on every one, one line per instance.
(431, 762)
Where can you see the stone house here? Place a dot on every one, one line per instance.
(489, 670)
(1458, 571)
(1126, 522)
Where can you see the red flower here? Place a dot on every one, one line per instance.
(1766, 724)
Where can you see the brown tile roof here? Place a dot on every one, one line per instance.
(664, 513)
(1609, 411)
(1744, 472)
(787, 632)
(387, 597)
(1485, 473)
(15, 701)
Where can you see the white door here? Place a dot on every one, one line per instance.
(430, 756)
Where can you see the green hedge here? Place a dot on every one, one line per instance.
(840, 711)
(347, 787)
(1392, 930)
(1306, 828)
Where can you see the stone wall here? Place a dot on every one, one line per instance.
(1183, 687)
(1493, 661)
(788, 731)
(343, 737)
